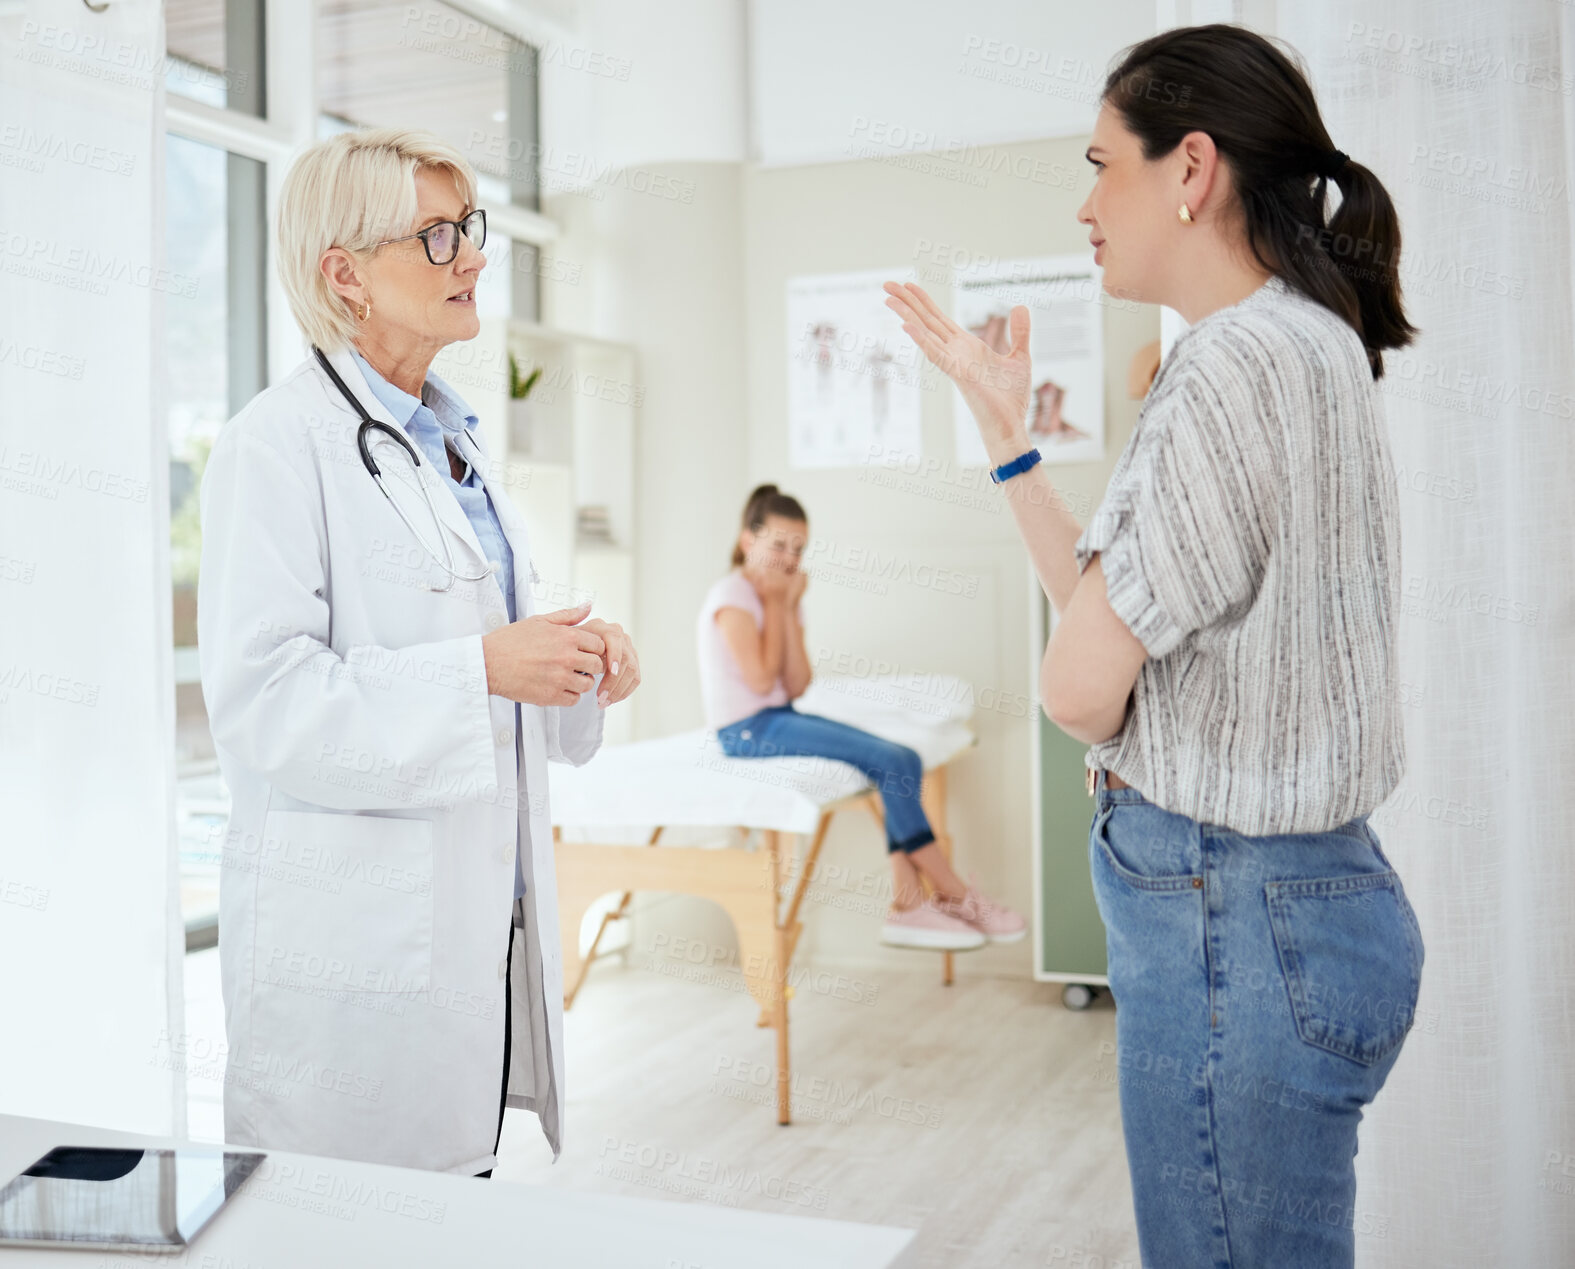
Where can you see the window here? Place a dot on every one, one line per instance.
(234, 122)
(214, 333)
(216, 53)
(428, 65)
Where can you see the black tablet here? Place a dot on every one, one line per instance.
(120, 1200)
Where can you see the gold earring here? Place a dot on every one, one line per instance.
(1185, 213)
(364, 311)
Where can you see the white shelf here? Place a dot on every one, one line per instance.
(571, 446)
(187, 670)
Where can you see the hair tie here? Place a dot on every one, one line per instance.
(1333, 163)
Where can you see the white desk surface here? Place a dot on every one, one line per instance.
(301, 1211)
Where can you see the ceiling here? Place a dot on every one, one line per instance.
(378, 64)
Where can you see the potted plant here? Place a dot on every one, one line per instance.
(520, 409)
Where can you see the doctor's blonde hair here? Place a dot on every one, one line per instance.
(353, 191)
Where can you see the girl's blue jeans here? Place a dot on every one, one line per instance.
(895, 770)
(1263, 988)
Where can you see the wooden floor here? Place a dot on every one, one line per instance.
(983, 1115)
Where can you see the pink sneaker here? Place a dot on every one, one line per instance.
(994, 920)
(925, 925)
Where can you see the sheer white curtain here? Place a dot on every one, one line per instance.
(91, 940)
(1464, 110)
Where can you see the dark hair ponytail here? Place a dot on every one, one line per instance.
(1256, 104)
(766, 500)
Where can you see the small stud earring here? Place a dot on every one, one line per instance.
(1185, 213)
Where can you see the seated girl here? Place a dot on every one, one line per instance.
(753, 664)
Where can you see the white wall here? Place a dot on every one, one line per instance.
(831, 80)
(664, 271)
(89, 934)
(642, 83)
(642, 171)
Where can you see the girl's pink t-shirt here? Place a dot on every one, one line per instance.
(726, 695)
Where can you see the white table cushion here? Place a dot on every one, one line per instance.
(687, 780)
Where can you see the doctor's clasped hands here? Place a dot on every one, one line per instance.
(551, 658)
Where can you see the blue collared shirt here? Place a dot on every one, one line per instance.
(430, 423)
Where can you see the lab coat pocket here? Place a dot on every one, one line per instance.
(344, 903)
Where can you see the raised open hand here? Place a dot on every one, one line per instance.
(995, 385)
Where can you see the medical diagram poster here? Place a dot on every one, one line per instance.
(1066, 403)
(853, 374)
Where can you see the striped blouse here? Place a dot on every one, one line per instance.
(1250, 540)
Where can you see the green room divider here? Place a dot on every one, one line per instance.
(1071, 935)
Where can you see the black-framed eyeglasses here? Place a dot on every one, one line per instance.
(442, 239)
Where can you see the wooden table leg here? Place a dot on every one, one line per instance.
(571, 917)
(932, 796)
(790, 922)
(767, 935)
(784, 1059)
(779, 982)
(618, 914)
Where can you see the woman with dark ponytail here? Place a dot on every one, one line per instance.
(753, 665)
(1265, 127)
(1226, 645)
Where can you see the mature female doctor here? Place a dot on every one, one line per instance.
(384, 702)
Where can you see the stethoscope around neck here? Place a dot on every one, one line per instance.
(368, 423)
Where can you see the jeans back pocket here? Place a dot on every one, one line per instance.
(1352, 955)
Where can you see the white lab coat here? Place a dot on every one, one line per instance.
(368, 866)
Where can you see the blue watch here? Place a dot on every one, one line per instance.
(1016, 467)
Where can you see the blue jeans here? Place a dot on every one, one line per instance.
(1263, 987)
(895, 770)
